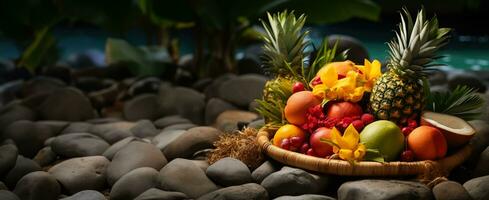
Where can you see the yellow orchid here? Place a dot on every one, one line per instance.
(348, 146)
(349, 86)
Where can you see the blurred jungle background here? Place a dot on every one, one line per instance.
(183, 41)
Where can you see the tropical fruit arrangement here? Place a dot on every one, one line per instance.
(323, 105)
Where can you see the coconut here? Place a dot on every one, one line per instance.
(456, 130)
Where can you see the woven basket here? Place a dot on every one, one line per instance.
(426, 171)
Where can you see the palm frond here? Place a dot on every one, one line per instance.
(325, 55)
(463, 102)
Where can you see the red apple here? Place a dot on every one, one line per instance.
(320, 148)
(342, 109)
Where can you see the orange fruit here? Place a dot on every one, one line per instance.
(287, 131)
(427, 143)
(297, 106)
(342, 68)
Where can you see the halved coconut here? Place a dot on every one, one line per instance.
(456, 130)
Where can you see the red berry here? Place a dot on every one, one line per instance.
(412, 123)
(367, 118)
(407, 156)
(311, 152)
(347, 120)
(298, 86)
(406, 130)
(296, 141)
(358, 124)
(304, 148)
(285, 144)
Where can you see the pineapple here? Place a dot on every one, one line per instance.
(399, 93)
(283, 55)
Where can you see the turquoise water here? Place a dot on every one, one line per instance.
(463, 52)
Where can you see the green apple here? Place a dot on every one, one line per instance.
(384, 136)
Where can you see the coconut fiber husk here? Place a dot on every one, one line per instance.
(241, 145)
(428, 172)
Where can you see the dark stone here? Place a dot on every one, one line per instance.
(356, 49)
(214, 107)
(305, 197)
(132, 156)
(229, 171)
(230, 120)
(59, 72)
(79, 145)
(113, 131)
(292, 181)
(114, 148)
(56, 126)
(57, 104)
(8, 157)
(191, 141)
(184, 176)
(84, 173)
(179, 127)
(77, 127)
(38, 185)
(469, 80)
(14, 112)
(28, 136)
(22, 167)
(166, 137)
(477, 188)
(201, 84)
(86, 195)
(7, 195)
(212, 89)
(250, 191)
(157, 194)
(144, 128)
(450, 190)
(182, 101)
(481, 168)
(143, 106)
(170, 120)
(383, 190)
(242, 90)
(41, 85)
(248, 65)
(144, 86)
(45, 156)
(134, 183)
(265, 169)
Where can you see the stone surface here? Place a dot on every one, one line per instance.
(45, 156)
(41, 85)
(38, 185)
(450, 190)
(212, 90)
(182, 101)
(28, 136)
(147, 85)
(15, 112)
(265, 169)
(113, 131)
(114, 148)
(214, 107)
(84, 173)
(383, 189)
(477, 187)
(55, 126)
(3, 186)
(170, 120)
(115, 135)
(250, 191)
(157, 194)
(22, 167)
(480, 141)
(305, 197)
(228, 120)
(191, 141)
(292, 181)
(482, 166)
(470, 80)
(166, 137)
(77, 127)
(86, 195)
(229, 171)
(184, 176)
(141, 107)
(8, 157)
(56, 105)
(134, 183)
(256, 124)
(144, 128)
(132, 156)
(203, 164)
(179, 127)
(7, 195)
(242, 90)
(78, 145)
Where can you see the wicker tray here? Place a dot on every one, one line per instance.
(425, 170)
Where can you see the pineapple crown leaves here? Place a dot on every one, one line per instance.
(463, 102)
(414, 48)
(285, 42)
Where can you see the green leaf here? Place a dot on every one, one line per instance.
(141, 61)
(42, 50)
(374, 155)
(463, 102)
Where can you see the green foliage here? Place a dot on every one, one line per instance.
(374, 155)
(463, 102)
(324, 55)
(141, 61)
(273, 108)
(41, 51)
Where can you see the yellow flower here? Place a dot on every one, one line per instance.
(356, 81)
(348, 146)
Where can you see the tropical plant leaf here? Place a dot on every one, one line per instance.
(41, 51)
(463, 102)
(325, 54)
(374, 155)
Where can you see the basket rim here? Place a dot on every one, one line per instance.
(427, 168)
